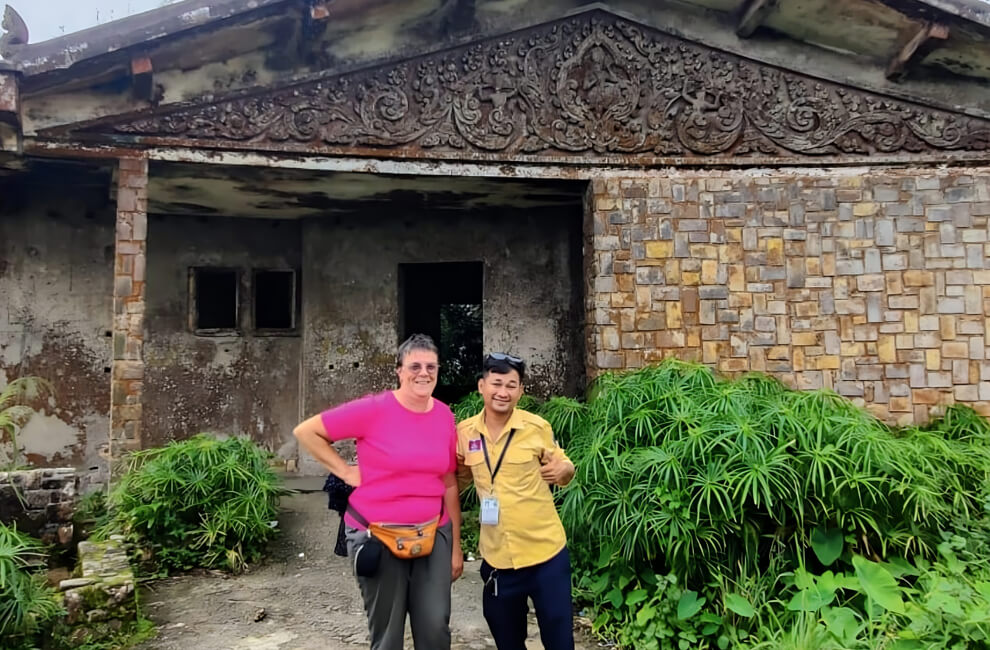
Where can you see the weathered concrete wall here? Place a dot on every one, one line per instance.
(56, 286)
(533, 303)
(873, 282)
(243, 385)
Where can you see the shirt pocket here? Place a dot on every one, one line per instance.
(473, 458)
(522, 468)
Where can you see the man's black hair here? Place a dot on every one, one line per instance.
(503, 367)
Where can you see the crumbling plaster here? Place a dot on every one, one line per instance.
(238, 385)
(56, 247)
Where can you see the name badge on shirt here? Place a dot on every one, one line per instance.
(489, 511)
(474, 445)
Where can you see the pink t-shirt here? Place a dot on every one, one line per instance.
(402, 455)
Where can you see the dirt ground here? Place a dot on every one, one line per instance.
(309, 597)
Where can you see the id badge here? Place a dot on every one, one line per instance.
(489, 511)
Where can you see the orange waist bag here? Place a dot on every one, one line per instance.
(404, 541)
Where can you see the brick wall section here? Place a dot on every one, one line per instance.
(128, 306)
(872, 283)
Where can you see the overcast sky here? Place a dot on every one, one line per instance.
(50, 18)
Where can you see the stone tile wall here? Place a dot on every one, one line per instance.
(40, 502)
(130, 260)
(874, 283)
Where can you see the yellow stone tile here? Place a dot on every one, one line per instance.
(737, 277)
(828, 264)
(887, 349)
(799, 361)
(933, 360)
(775, 251)
(919, 278)
(690, 278)
(849, 349)
(709, 272)
(947, 327)
(864, 209)
(828, 362)
(659, 248)
(674, 319)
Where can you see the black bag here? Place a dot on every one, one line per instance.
(337, 495)
(367, 557)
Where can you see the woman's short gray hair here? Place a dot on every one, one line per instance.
(415, 342)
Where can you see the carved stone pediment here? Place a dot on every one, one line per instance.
(593, 87)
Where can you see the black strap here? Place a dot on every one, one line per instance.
(484, 448)
(358, 517)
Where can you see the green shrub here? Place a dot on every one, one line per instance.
(202, 502)
(719, 492)
(26, 603)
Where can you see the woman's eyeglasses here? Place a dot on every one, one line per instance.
(416, 368)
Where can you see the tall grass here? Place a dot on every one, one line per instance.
(26, 603)
(699, 476)
(201, 502)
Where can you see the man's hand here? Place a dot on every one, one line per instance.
(456, 562)
(556, 470)
(351, 476)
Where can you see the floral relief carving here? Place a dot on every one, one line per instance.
(591, 85)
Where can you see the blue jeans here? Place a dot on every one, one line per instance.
(505, 603)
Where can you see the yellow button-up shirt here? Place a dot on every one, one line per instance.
(529, 531)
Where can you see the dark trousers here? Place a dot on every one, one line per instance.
(419, 588)
(505, 605)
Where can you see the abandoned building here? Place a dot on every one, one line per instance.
(223, 216)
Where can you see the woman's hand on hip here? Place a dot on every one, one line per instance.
(351, 476)
(456, 562)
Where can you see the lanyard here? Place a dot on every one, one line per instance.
(484, 448)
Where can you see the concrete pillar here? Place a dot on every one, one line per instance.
(127, 378)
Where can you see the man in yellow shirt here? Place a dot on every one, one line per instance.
(513, 459)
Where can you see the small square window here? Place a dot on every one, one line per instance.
(215, 295)
(275, 300)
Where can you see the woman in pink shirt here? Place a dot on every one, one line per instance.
(406, 446)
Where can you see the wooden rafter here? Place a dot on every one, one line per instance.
(752, 13)
(928, 37)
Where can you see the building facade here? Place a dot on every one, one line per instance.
(224, 216)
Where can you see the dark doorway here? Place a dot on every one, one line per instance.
(444, 300)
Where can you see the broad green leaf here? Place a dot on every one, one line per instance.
(636, 596)
(878, 584)
(689, 605)
(835, 581)
(615, 597)
(842, 624)
(803, 579)
(827, 544)
(811, 599)
(899, 567)
(646, 614)
(739, 605)
(945, 603)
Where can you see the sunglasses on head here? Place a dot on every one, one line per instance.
(508, 358)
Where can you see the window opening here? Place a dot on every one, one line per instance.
(215, 299)
(275, 300)
(444, 300)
